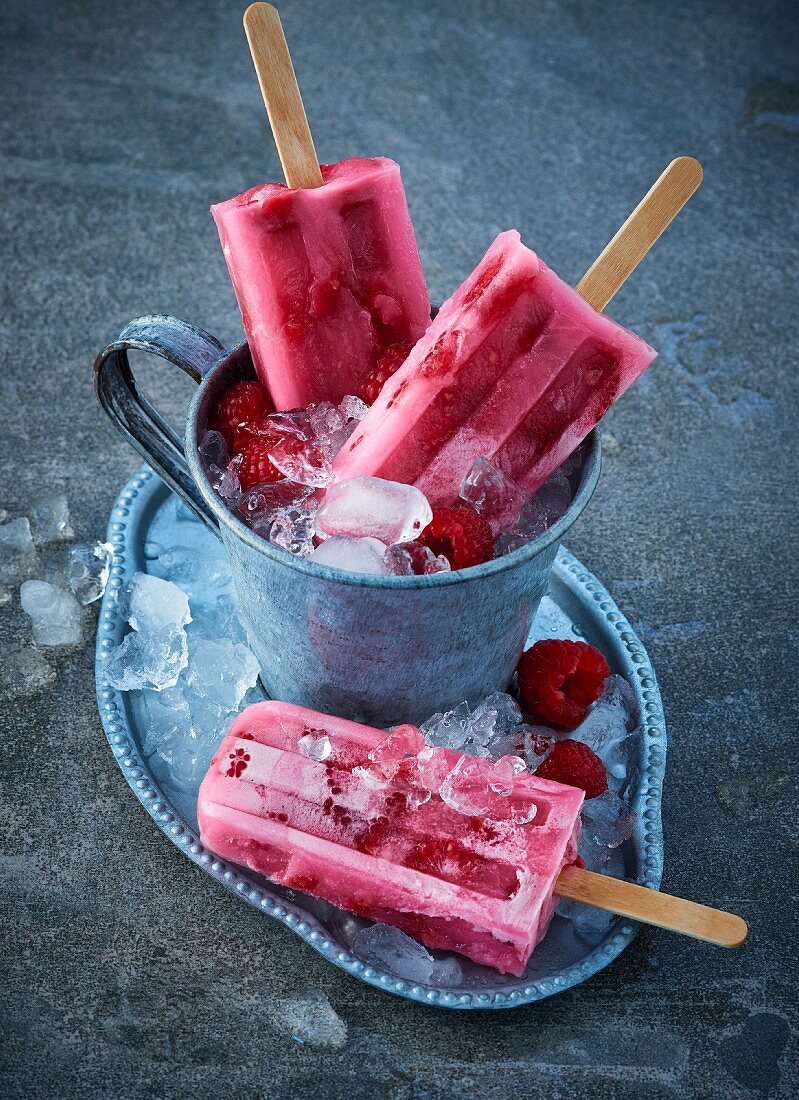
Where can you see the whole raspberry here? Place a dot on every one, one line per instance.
(461, 535)
(240, 404)
(574, 763)
(560, 679)
(256, 466)
(389, 363)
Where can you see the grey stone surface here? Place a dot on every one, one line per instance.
(125, 972)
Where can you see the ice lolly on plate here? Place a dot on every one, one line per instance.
(326, 271)
(517, 367)
(354, 815)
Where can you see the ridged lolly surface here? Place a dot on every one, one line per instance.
(326, 278)
(351, 829)
(516, 367)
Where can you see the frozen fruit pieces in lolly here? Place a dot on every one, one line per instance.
(516, 368)
(379, 841)
(327, 278)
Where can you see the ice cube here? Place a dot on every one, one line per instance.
(448, 973)
(50, 519)
(406, 559)
(589, 923)
(403, 742)
(503, 778)
(432, 768)
(24, 672)
(225, 480)
(56, 615)
(370, 506)
(618, 693)
(89, 568)
(148, 659)
(498, 714)
(353, 408)
(606, 728)
(498, 499)
(326, 418)
(293, 529)
(300, 460)
(202, 575)
(260, 505)
(18, 557)
(466, 789)
(449, 730)
(214, 452)
(356, 555)
(554, 497)
(169, 716)
(608, 821)
(538, 744)
(531, 523)
(221, 672)
(308, 1018)
(152, 604)
(315, 745)
(387, 948)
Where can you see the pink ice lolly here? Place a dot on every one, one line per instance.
(516, 367)
(326, 278)
(337, 829)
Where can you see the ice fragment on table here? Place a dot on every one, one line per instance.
(18, 557)
(308, 1018)
(607, 822)
(89, 568)
(50, 519)
(370, 506)
(356, 555)
(24, 672)
(56, 615)
(220, 672)
(152, 604)
(498, 499)
(407, 559)
(147, 659)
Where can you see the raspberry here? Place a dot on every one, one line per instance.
(256, 466)
(240, 404)
(389, 363)
(461, 535)
(574, 763)
(560, 679)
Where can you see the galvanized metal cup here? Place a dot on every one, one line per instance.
(378, 649)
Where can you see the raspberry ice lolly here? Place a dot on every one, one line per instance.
(367, 821)
(326, 271)
(517, 367)
(327, 278)
(482, 888)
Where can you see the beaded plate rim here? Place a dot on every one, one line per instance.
(633, 659)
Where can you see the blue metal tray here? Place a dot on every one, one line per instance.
(577, 604)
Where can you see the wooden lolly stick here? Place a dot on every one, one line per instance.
(651, 907)
(282, 97)
(651, 216)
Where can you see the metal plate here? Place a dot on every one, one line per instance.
(577, 605)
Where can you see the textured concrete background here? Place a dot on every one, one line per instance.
(125, 971)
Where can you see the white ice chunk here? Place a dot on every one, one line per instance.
(293, 529)
(370, 506)
(148, 659)
(89, 568)
(356, 555)
(18, 557)
(388, 948)
(152, 604)
(315, 745)
(57, 616)
(24, 672)
(50, 519)
(220, 672)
